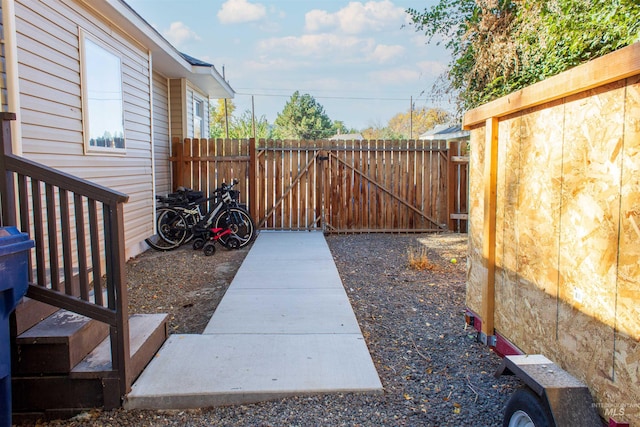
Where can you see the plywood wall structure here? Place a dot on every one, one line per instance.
(554, 235)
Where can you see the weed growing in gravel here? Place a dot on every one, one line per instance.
(419, 259)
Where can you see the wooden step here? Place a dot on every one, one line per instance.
(147, 333)
(57, 344)
(38, 395)
(91, 383)
(29, 313)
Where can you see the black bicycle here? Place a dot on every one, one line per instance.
(180, 219)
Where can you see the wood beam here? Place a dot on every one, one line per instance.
(489, 231)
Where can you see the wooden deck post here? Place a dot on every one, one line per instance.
(118, 295)
(489, 232)
(8, 214)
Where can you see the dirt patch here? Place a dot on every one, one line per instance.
(184, 283)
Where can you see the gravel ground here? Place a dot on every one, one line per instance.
(433, 371)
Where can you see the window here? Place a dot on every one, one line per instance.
(103, 111)
(198, 119)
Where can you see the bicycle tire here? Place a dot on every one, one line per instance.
(159, 244)
(239, 221)
(191, 220)
(172, 226)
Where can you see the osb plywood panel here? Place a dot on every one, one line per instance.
(590, 202)
(507, 301)
(538, 206)
(531, 234)
(585, 349)
(589, 233)
(624, 388)
(477, 272)
(627, 340)
(628, 302)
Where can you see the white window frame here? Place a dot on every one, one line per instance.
(87, 39)
(199, 118)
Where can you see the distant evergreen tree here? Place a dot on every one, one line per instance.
(303, 118)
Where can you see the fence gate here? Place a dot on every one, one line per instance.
(335, 186)
(287, 194)
(352, 186)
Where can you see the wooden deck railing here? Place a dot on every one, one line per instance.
(78, 228)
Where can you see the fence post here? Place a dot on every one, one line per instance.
(253, 185)
(452, 184)
(8, 214)
(176, 158)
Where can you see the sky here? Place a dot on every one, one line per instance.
(361, 60)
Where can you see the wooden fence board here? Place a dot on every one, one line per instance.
(336, 186)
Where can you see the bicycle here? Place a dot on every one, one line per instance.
(180, 219)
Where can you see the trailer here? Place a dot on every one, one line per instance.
(554, 239)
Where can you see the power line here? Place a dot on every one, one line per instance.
(353, 98)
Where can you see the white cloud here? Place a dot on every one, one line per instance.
(178, 33)
(239, 11)
(384, 53)
(432, 68)
(268, 65)
(318, 46)
(358, 17)
(395, 76)
(317, 19)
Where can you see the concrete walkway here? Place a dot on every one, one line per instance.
(284, 328)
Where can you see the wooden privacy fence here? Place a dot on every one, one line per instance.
(335, 186)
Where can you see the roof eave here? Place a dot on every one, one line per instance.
(167, 60)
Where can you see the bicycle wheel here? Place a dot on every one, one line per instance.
(191, 219)
(239, 222)
(160, 244)
(172, 226)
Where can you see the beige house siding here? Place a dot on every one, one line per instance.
(182, 96)
(161, 134)
(51, 105)
(176, 96)
(192, 95)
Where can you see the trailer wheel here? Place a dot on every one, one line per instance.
(526, 409)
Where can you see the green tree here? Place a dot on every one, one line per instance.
(242, 126)
(217, 118)
(340, 128)
(419, 121)
(499, 46)
(302, 118)
(379, 132)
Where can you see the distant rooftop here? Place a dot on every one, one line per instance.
(445, 131)
(346, 137)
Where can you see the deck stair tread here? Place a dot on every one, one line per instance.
(58, 343)
(30, 312)
(91, 382)
(142, 328)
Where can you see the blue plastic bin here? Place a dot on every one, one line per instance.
(14, 277)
